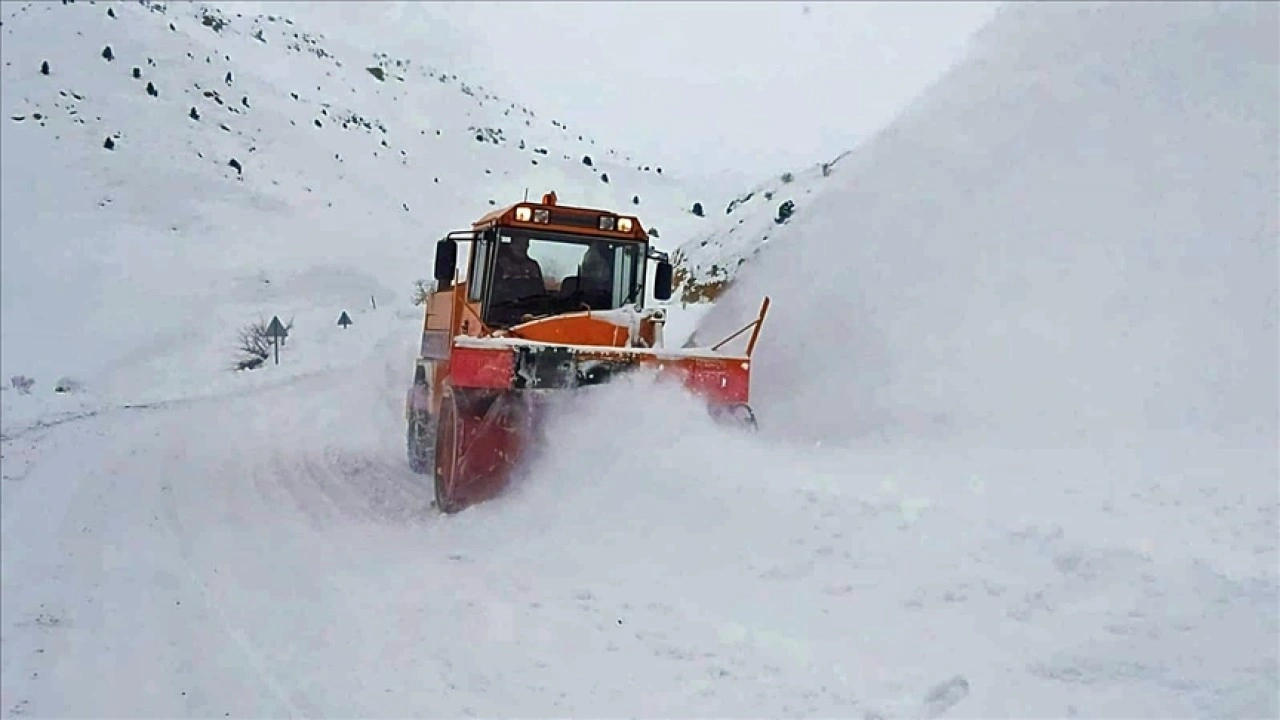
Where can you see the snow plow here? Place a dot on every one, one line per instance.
(551, 299)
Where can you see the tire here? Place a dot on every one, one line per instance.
(444, 455)
(739, 416)
(420, 443)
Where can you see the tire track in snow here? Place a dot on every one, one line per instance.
(174, 527)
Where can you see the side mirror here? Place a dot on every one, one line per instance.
(662, 281)
(446, 262)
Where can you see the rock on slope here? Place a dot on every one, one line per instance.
(1069, 241)
(174, 171)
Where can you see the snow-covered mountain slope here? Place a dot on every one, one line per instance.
(268, 553)
(254, 168)
(706, 263)
(1070, 241)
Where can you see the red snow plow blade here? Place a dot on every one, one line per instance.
(497, 388)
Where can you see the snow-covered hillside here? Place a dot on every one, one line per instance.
(1017, 398)
(707, 262)
(182, 170)
(1053, 247)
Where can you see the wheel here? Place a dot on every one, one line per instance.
(446, 454)
(478, 440)
(739, 415)
(420, 442)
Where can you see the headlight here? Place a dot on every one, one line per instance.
(542, 215)
(624, 224)
(523, 214)
(606, 222)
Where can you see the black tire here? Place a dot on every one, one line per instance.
(445, 449)
(420, 443)
(737, 415)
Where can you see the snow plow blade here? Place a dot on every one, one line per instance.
(499, 388)
(501, 364)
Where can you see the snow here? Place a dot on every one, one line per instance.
(1016, 390)
(163, 232)
(629, 317)
(1046, 251)
(739, 233)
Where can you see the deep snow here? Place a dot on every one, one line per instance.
(997, 542)
(1069, 242)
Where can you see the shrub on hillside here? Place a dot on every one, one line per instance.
(785, 211)
(421, 291)
(254, 344)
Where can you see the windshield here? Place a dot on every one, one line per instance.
(534, 276)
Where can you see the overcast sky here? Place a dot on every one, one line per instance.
(709, 89)
(752, 87)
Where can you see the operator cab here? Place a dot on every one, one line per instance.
(520, 272)
(519, 275)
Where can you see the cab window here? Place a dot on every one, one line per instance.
(534, 276)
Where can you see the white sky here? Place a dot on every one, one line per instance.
(708, 89)
(751, 88)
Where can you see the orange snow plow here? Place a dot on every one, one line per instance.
(552, 299)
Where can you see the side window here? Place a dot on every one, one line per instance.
(475, 283)
(622, 271)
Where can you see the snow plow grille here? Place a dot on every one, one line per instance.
(559, 367)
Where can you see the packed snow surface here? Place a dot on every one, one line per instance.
(1017, 393)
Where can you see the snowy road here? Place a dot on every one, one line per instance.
(1032, 322)
(270, 555)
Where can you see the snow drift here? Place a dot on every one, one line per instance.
(1069, 241)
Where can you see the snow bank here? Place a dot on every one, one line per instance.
(1070, 241)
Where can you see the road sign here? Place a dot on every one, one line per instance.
(345, 320)
(277, 333)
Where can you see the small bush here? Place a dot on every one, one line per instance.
(213, 20)
(22, 384)
(785, 211)
(421, 291)
(254, 344)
